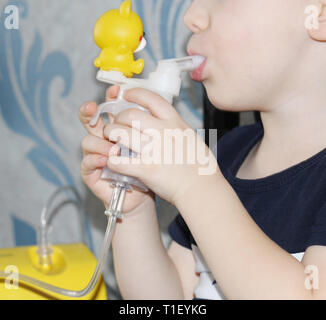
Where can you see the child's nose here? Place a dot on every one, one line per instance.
(196, 19)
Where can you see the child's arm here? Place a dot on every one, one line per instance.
(246, 263)
(184, 261)
(143, 268)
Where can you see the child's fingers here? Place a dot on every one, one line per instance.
(157, 105)
(93, 144)
(126, 136)
(112, 92)
(143, 119)
(92, 162)
(86, 111)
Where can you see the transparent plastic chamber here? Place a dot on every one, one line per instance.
(166, 81)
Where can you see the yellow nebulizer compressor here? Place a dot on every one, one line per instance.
(46, 271)
(39, 272)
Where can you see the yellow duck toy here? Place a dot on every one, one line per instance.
(119, 33)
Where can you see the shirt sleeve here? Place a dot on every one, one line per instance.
(179, 232)
(318, 230)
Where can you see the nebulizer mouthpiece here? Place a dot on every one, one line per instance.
(166, 79)
(189, 63)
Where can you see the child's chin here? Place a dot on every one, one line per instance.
(227, 100)
(223, 102)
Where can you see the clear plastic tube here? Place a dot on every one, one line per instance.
(91, 285)
(47, 215)
(112, 213)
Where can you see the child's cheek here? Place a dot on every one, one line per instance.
(233, 44)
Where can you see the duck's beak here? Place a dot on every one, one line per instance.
(142, 45)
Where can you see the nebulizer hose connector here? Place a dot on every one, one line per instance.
(44, 248)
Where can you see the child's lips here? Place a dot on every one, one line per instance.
(197, 74)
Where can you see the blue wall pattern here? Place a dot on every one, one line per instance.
(54, 65)
(27, 234)
(18, 90)
(28, 71)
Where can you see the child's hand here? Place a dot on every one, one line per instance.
(168, 180)
(96, 150)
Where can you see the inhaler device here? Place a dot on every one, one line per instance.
(119, 33)
(165, 81)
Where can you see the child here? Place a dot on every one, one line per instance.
(256, 228)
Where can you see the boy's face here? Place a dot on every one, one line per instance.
(254, 49)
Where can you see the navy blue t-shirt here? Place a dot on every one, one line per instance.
(289, 206)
